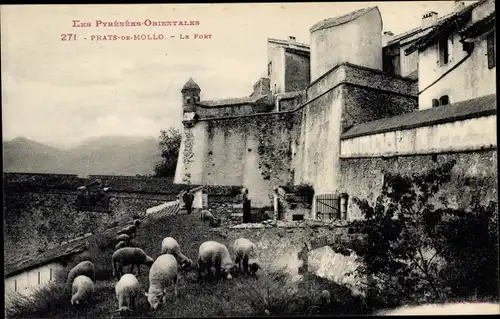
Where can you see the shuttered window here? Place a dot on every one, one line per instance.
(490, 43)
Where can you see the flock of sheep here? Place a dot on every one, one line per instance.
(164, 272)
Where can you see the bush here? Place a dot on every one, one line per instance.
(418, 253)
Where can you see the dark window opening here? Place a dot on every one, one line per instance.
(297, 217)
(50, 274)
(388, 65)
(443, 51)
(188, 100)
(38, 277)
(435, 102)
(444, 100)
(15, 285)
(269, 68)
(491, 48)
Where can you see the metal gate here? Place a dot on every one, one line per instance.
(327, 206)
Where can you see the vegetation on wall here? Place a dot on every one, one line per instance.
(170, 142)
(417, 251)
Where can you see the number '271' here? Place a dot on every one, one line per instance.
(68, 36)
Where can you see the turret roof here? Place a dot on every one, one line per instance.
(191, 85)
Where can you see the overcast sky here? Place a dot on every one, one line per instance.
(64, 91)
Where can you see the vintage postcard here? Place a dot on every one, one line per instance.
(250, 159)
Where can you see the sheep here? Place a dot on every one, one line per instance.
(122, 237)
(85, 268)
(216, 254)
(129, 256)
(129, 230)
(206, 215)
(244, 250)
(163, 273)
(82, 289)
(120, 245)
(170, 246)
(462, 308)
(127, 292)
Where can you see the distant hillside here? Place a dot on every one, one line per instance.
(109, 155)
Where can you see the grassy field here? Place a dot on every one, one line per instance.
(242, 296)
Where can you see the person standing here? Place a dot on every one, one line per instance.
(246, 207)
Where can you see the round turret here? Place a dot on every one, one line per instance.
(190, 96)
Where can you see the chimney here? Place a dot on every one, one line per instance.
(291, 39)
(458, 6)
(429, 18)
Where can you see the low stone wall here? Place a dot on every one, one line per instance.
(281, 245)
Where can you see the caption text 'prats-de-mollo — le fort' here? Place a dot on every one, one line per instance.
(101, 36)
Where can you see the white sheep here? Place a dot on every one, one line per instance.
(120, 245)
(460, 308)
(128, 230)
(82, 289)
(122, 237)
(85, 268)
(212, 253)
(127, 292)
(170, 246)
(163, 273)
(129, 256)
(244, 251)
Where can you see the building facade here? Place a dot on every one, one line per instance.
(364, 104)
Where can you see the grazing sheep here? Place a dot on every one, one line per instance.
(129, 256)
(462, 308)
(85, 268)
(206, 215)
(122, 237)
(170, 246)
(120, 245)
(212, 253)
(244, 251)
(127, 292)
(163, 273)
(129, 230)
(82, 289)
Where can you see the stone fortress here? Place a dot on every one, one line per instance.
(354, 104)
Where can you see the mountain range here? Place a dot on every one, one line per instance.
(108, 155)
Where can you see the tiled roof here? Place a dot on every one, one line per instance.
(474, 28)
(166, 209)
(454, 22)
(233, 101)
(66, 249)
(481, 106)
(335, 21)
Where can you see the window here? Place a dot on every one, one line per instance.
(444, 100)
(491, 48)
(38, 277)
(15, 285)
(188, 100)
(269, 68)
(50, 274)
(443, 51)
(435, 103)
(197, 99)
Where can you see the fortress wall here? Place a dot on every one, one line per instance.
(253, 151)
(474, 171)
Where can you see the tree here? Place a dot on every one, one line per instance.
(170, 142)
(418, 250)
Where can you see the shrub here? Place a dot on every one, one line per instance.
(417, 253)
